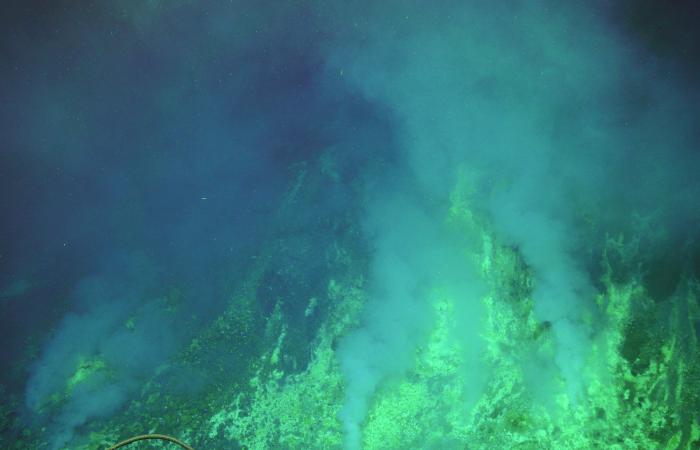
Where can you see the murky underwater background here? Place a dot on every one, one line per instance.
(326, 224)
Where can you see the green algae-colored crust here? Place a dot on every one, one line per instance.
(298, 410)
(475, 389)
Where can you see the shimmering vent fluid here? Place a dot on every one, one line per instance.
(350, 225)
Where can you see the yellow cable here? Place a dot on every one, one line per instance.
(143, 437)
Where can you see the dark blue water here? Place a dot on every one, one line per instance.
(149, 153)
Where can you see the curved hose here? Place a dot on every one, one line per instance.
(143, 437)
